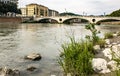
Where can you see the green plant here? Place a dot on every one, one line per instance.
(116, 58)
(76, 58)
(108, 35)
(101, 42)
(117, 72)
(94, 38)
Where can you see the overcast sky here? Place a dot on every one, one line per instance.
(90, 7)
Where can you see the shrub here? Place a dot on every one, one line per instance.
(101, 42)
(94, 38)
(108, 35)
(76, 58)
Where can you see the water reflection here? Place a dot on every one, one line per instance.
(18, 40)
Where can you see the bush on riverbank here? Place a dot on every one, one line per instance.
(76, 58)
(108, 35)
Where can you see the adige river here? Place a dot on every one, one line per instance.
(19, 40)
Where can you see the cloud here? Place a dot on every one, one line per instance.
(77, 6)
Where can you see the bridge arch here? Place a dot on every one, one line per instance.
(47, 20)
(75, 19)
(107, 20)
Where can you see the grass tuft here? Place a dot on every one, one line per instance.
(76, 58)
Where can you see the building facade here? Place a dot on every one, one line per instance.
(36, 10)
(53, 13)
(8, 1)
(23, 11)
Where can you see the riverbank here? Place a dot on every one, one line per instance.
(10, 19)
(111, 23)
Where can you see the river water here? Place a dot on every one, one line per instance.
(19, 40)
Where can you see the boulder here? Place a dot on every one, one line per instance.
(99, 65)
(115, 35)
(9, 72)
(52, 75)
(107, 53)
(33, 56)
(116, 51)
(112, 65)
(31, 68)
(107, 41)
(97, 48)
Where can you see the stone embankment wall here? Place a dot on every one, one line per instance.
(10, 19)
(111, 23)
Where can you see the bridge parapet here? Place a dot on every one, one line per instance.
(61, 19)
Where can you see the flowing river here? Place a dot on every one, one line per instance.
(19, 40)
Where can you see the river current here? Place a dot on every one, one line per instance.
(19, 40)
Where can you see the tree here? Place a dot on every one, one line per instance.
(8, 7)
(115, 13)
(69, 13)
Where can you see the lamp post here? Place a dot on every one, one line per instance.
(83, 13)
(104, 14)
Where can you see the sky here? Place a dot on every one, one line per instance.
(88, 7)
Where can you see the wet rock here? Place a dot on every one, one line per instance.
(33, 56)
(9, 72)
(100, 65)
(31, 68)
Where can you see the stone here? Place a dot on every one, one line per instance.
(116, 51)
(114, 43)
(115, 35)
(9, 72)
(33, 56)
(97, 48)
(107, 41)
(107, 53)
(53, 75)
(99, 65)
(108, 46)
(31, 68)
(112, 65)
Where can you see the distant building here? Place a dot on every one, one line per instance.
(8, 1)
(36, 10)
(23, 11)
(53, 13)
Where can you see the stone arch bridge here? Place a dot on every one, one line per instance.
(61, 19)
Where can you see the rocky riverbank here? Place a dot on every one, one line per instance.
(107, 60)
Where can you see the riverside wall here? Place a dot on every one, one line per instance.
(10, 19)
(111, 23)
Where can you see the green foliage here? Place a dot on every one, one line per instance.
(94, 38)
(68, 14)
(8, 7)
(115, 13)
(76, 58)
(108, 35)
(117, 72)
(101, 42)
(116, 58)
